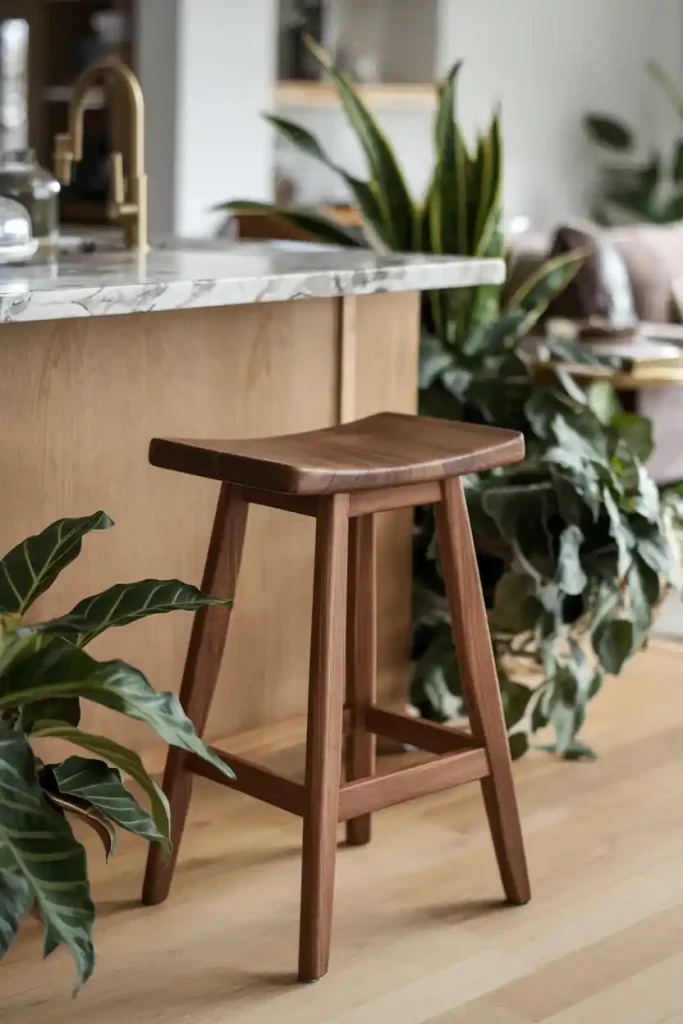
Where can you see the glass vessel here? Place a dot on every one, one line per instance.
(24, 180)
(16, 237)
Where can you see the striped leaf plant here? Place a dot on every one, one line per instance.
(45, 675)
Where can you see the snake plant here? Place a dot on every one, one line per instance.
(45, 673)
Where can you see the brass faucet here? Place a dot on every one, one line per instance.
(128, 198)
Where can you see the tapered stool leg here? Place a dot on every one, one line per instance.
(324, 736)
(202, 666)
(361, 663)
(480, 685)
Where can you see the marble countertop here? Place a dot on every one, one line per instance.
(191, 275)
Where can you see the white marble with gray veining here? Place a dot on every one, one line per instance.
(191, 275)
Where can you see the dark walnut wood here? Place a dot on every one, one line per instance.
(385, 450)
(342, 476)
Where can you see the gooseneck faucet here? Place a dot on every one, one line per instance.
(128, 195)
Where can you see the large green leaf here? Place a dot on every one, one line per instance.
(101, 786)
(62, 670)
(40, 846)
(310, 221)
(16, 898)
(363, 195)
(110, 799)
(126, 602)
(386, 175)
(32, 566)
(609, 132)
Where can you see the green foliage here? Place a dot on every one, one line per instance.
(574, 544)
(44, 675)
(650, 190)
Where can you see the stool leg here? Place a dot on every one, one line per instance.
(324, 736)
(480, 685)
(361, 663)
(202, 665)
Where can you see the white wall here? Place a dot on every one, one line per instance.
(207, 68)
(548, 62)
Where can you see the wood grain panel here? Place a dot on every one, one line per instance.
(80, 400)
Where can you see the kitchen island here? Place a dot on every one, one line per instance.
(101, 352)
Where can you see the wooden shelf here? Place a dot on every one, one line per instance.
(387, 95)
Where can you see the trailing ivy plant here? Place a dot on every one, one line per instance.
(573, 544)
(45, 673)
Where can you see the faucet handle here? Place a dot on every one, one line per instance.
(117, 181)
(63, 157)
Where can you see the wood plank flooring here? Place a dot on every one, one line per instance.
(420, 934)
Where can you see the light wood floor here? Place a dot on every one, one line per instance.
(420, 934)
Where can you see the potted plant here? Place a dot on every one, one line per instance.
(574, 544)
(45, 673)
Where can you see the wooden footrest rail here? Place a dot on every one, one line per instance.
(461, 761)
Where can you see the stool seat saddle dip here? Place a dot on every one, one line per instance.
(342, 476)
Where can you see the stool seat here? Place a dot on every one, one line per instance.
(385, 450)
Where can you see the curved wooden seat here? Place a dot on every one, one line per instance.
(386, 450)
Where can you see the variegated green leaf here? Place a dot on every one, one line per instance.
(124, 603)
(39, 845)
(32, 566)
(386, 175)
(444, 199)
(104, 793)
(16, 898)
(62, 670)
(102, 787)
(311, 222)
(91, 816)
(537, 292)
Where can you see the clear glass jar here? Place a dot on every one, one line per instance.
(24, 180)
(16, 236)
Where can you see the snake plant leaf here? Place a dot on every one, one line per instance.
(92, 816)
(102, 787)
(444, 195)
(536, 293)
(15, 902)
(489, 184)
(63, 670)
(609, 132)
(41, 848)
(32, 566)
(365, 198)
(386, 175)
(103, 790)
(126, 602)
(311, 222)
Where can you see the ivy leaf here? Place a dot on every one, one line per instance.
(613, 644)
(623, 537)
(15, 902)
(102, 787)
(126, 602)
(636, 431)
(41, 848)
(515, 606)
(62, 670)
(571, 577)
(519, 744)
(32, 566)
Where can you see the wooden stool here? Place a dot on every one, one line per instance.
(342, 476)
